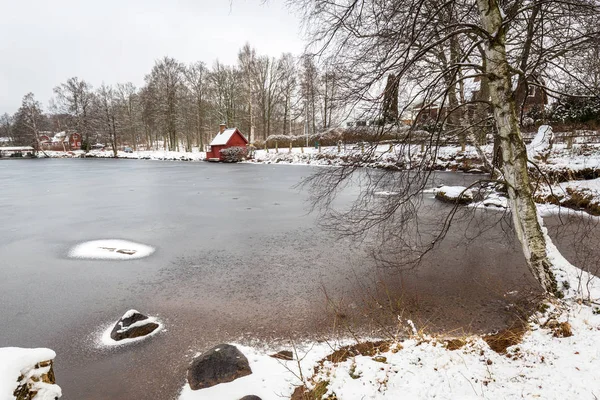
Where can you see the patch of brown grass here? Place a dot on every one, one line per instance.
(581, 200)
(360, 349)
(563, 330)
(317, 393)
(454, 344)
(502, 340)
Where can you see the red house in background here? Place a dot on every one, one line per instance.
(226, 138)
(60, 141)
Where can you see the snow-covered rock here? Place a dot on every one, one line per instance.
(453, 194)
(221, 364)
(541, 142)
(27, 374)
(133, 324)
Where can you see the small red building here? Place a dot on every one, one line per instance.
(226, 138)
(61, 141)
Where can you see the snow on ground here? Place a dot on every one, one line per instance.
(542, 366)
(581, 194)
(271, 378)
(16, 362)
(110, 249)
(579, 157)
(558, 158)
(106, 341)
(141, 155)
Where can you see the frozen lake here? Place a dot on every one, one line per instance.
(237, 258)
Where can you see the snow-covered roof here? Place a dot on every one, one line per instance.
(60, 137)
(222, 138)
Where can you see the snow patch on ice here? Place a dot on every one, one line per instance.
(110, 249)
(385, 193)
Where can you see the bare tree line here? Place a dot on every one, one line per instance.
(179, 105)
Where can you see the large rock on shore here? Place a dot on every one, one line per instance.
(28, 374)
(133, 324)
(221, 364)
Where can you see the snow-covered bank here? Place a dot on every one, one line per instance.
(578, 195)
(544, 365)
(27, 372)
(136, 155)
(384, 156)
(559, 161)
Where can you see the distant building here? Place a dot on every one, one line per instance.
(61, 141)
(531, 98)
(226, 138)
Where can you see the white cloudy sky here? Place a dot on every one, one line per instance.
(45, 42)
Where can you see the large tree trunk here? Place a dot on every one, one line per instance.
(514, 154)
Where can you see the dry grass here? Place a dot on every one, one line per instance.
(360, 349)
(455, 344)
(563, 330)
(502, 340)
(316, 393)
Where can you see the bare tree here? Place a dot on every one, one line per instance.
(130, 111)
(226, 92)
(309, 90)
(74, 97)
(247, 64)
(287, 66)
(6, 127)
(196, 76)
(165, 83)
(29, 120)
(107, 114)
(435, 48)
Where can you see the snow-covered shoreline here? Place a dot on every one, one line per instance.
(159, 155)
(570, 162)
(554, 356)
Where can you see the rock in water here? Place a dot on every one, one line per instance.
(251, 397)
(221, 364)
(131, 325)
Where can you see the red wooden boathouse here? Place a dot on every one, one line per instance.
(226, 138)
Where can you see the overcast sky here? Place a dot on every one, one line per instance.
(43, 43)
